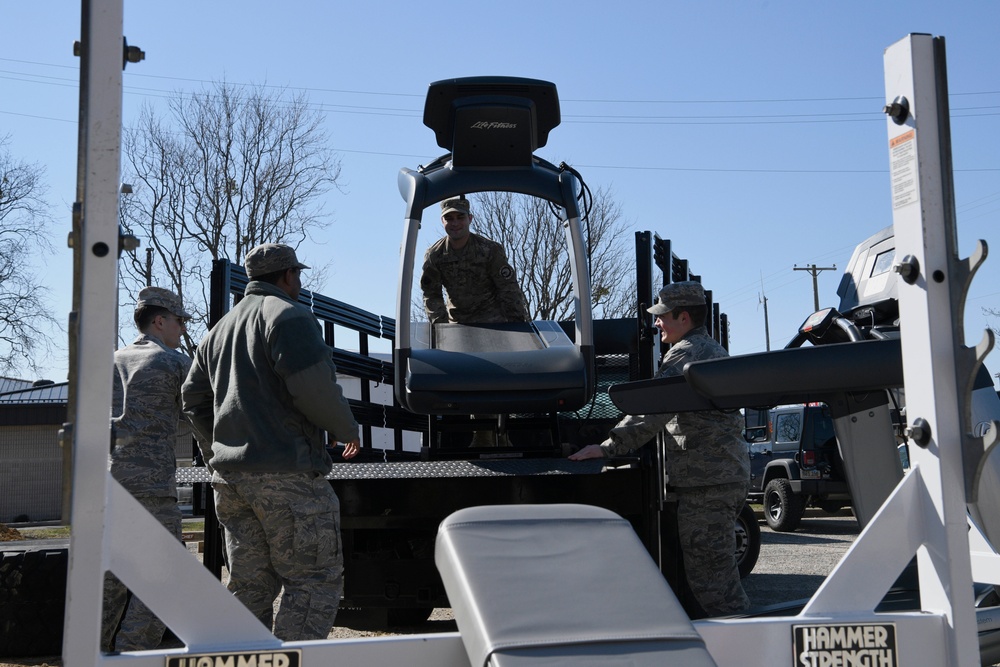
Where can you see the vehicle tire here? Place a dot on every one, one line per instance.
(32, 599)
(382, 619)
(747, 540)
(831, 506)
(783, 509)
(401, 617)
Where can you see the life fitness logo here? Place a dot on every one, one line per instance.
(493, 125)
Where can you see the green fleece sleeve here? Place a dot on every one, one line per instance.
(316, 393)
(302, 359)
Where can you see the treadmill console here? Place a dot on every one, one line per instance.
(491, 121)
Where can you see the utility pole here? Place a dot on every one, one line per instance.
(767, 328)
(126, 189)
(815, 271)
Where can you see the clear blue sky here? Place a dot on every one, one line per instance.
(748, 133)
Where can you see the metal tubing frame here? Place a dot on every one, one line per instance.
(931, 310)
(92, 322)
(425, 187)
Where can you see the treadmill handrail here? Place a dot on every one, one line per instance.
(793, 375)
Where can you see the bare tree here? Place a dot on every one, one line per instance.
(24, 316)
(535, 243)
(993, 312)
(227, 169)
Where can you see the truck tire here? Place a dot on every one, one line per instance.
(382, 619)
(747, 540)
(783, 509)
(832, 506)
(398, 617)
(32, 599)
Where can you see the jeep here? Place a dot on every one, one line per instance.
(794, 463)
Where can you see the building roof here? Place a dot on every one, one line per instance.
(26, 393)
(13, 384)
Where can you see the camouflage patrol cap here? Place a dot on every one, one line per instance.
(687, 293)
(163, 298)
(270, 257)
(459, 204)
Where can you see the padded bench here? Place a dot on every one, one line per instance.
(562, 584)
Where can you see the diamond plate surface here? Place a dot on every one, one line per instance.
(430, 469)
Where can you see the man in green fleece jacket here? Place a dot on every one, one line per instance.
(261, 391)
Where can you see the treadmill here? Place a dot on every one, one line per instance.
(492, 126)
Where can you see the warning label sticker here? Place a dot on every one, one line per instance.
(903, 168)
(845, 645)
(285, 658)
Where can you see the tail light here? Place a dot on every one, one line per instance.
(808, 459)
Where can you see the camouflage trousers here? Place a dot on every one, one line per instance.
(140, 628)
(706, 517)
(283, 531)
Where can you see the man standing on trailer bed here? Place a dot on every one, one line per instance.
(707, 463)
(146, 404)
(261, 392)
(481, 285)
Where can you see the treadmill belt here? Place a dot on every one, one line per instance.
(504, 337)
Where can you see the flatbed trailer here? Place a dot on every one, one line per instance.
(392, 500)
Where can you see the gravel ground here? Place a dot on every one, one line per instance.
(793, 565)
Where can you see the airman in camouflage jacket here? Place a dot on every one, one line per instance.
(146, 402)
(480, 282)
(703, 448)
(146, 421)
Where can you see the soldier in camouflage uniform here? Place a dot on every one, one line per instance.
(480, 282)
(261, 392)
(707, 462)
(146, 404)
(474, 270)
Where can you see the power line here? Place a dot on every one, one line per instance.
(748, 171)
(421, 95)
(705, 170)
(729, 119)
(569, 119)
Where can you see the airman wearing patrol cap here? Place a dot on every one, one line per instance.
(162, 298)
(480, 283)
(146, 421)
(706, 459)
(261, 395)
(687, 293)
(160, 314)
(270, 258)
